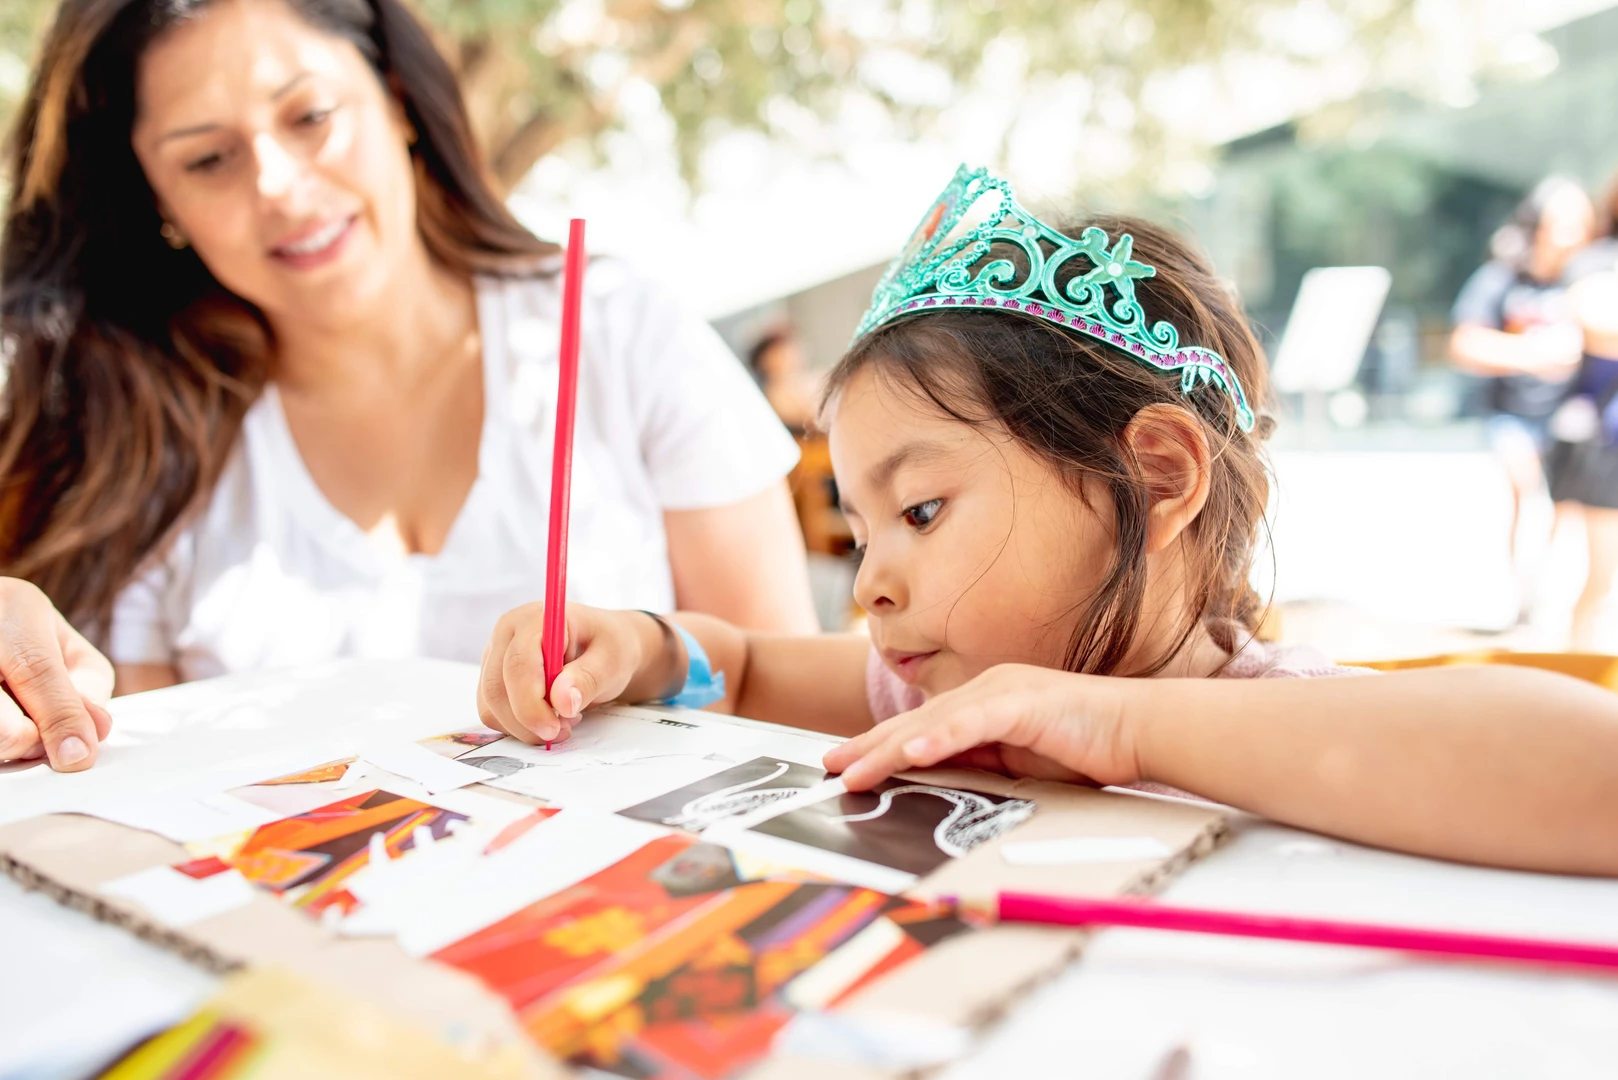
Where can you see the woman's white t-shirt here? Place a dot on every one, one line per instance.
(271, 574)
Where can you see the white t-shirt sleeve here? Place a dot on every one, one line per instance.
(707, 435)
(144, 626)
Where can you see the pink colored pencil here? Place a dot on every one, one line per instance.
(554, 639)
(1150, 915)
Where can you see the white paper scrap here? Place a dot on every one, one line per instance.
(889, 1042)
(609, 788)
(1072, 850)
(182, 818)
(553, 855)
(489, 813)
(352, 775)
(176, 899)
(432, 771)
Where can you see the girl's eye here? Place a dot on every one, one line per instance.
(922, 514)
(314, 117)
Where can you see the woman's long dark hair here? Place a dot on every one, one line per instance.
(1067, 400)
(128, 367)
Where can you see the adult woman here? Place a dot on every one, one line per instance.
(280, 362)
(1514, 324)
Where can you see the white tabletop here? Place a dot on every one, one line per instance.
(1259, 1009)
(72, 991)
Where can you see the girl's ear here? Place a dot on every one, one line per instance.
(1169, 447)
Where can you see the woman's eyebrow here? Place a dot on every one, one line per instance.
(204, 129)
(187, 132)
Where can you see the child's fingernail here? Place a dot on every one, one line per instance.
(575, 701)
(916, 747)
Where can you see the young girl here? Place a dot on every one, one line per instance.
(1052, 491)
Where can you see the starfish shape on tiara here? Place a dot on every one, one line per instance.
(1115, 268)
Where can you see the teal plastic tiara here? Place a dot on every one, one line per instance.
(939, 270)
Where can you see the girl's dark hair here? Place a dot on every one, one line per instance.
(130, 366)
(1067, 399)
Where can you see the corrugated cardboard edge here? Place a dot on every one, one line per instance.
(203, 956)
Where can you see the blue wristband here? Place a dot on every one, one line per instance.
(703, 685)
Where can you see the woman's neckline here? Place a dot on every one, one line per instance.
(333, 525)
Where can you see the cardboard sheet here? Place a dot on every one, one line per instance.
(960, 984)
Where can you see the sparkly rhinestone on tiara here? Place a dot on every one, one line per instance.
(936, 272)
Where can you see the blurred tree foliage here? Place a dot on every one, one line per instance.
(541, 72)
(1428, 221)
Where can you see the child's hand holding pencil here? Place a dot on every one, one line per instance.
(606, 656)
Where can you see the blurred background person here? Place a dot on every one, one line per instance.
(1583, 461)
(1514, 325)
(777, 362)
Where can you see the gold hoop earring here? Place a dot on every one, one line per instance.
(173, 236)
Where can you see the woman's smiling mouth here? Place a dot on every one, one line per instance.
(316, 246)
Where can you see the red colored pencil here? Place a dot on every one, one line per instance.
(1150, 915)
(553, 640)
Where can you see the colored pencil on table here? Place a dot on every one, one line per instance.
(1150, 915)
(554, 639)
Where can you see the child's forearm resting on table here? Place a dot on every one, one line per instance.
(1495, 765)
(816, 682)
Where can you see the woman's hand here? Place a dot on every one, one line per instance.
(57, 683)
(608, 656)
(1015, 718)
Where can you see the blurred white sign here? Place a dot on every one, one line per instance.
(1330, 327)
